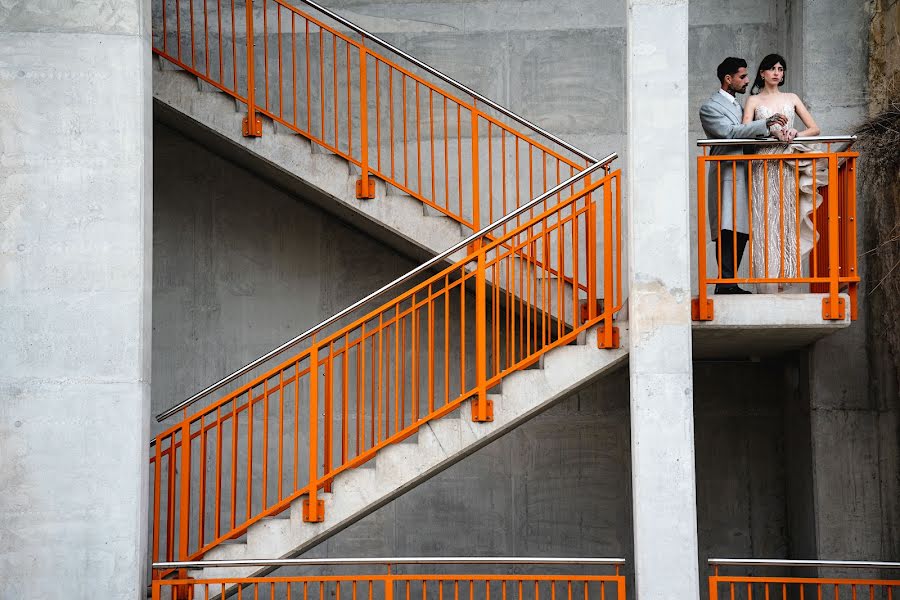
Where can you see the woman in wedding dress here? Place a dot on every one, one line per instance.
(776, 204)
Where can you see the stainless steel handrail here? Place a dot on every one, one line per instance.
(765, 562)
(403, 278)
(818, 139)
(426, 67)
(421, 560)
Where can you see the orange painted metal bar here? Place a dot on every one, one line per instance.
(252, 124)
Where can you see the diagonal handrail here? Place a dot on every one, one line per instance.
(384, 289)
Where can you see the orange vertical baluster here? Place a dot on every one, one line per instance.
(201, 492)
(391, 117)
(345, 400)
(609, 340)
(157, 493)
(280, 77)
(482, 410)
(178, 29)
(327, 423)
(365, 187)
(832, 308)
(334, 88)
(234, 61)
(349, 106)
(184, 489)
(218, 503)
(308, 91)
(265, 446)
(418, 145)
(294, 67)
(221, 49)
(701, 312)
(312, 506)
(377, 117)
(431, 140)
(252, 125)
(280, 471)
(405, 139)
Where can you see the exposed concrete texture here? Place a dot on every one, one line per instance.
(75, 295)
(763, 325)
(662, 420)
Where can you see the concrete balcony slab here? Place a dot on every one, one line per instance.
(756, 325)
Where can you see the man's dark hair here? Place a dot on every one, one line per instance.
(730, 66)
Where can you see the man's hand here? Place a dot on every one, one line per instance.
(776, 119)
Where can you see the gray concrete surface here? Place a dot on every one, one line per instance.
(659, 304)
(75, 265)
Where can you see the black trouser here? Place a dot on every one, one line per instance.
(726, 243)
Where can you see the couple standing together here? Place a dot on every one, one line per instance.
(774, 194)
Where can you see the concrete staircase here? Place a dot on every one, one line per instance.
(437, 445)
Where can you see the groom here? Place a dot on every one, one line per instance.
(721, 117)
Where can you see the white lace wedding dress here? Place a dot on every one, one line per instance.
(777, 205)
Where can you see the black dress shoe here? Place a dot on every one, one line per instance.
(730, 288)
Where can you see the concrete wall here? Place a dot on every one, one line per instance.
(75, 297)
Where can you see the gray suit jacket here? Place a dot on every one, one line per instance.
(722, 120)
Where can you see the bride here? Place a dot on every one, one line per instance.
(778, 209)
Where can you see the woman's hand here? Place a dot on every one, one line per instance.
(790, 134)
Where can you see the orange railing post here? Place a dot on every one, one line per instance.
(833, 306)
(312, 506)
(702, 307)
(482, 410)
(365, 187)
(608, 336)
(184, 490)
(252, 124)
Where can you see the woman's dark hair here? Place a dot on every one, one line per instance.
(767, 63)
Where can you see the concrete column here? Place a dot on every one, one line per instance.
(662, 425)
(75, 249)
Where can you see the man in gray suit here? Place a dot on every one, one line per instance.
(721, 117)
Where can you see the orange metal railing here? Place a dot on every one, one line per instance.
(812, 587)
(452, 150)
(388, 585)
(800, 224)
(379, 375)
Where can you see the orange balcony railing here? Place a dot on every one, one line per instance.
(552, 579)
(794, 212)
(388, 113)
(860, 580)
(372, 377)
